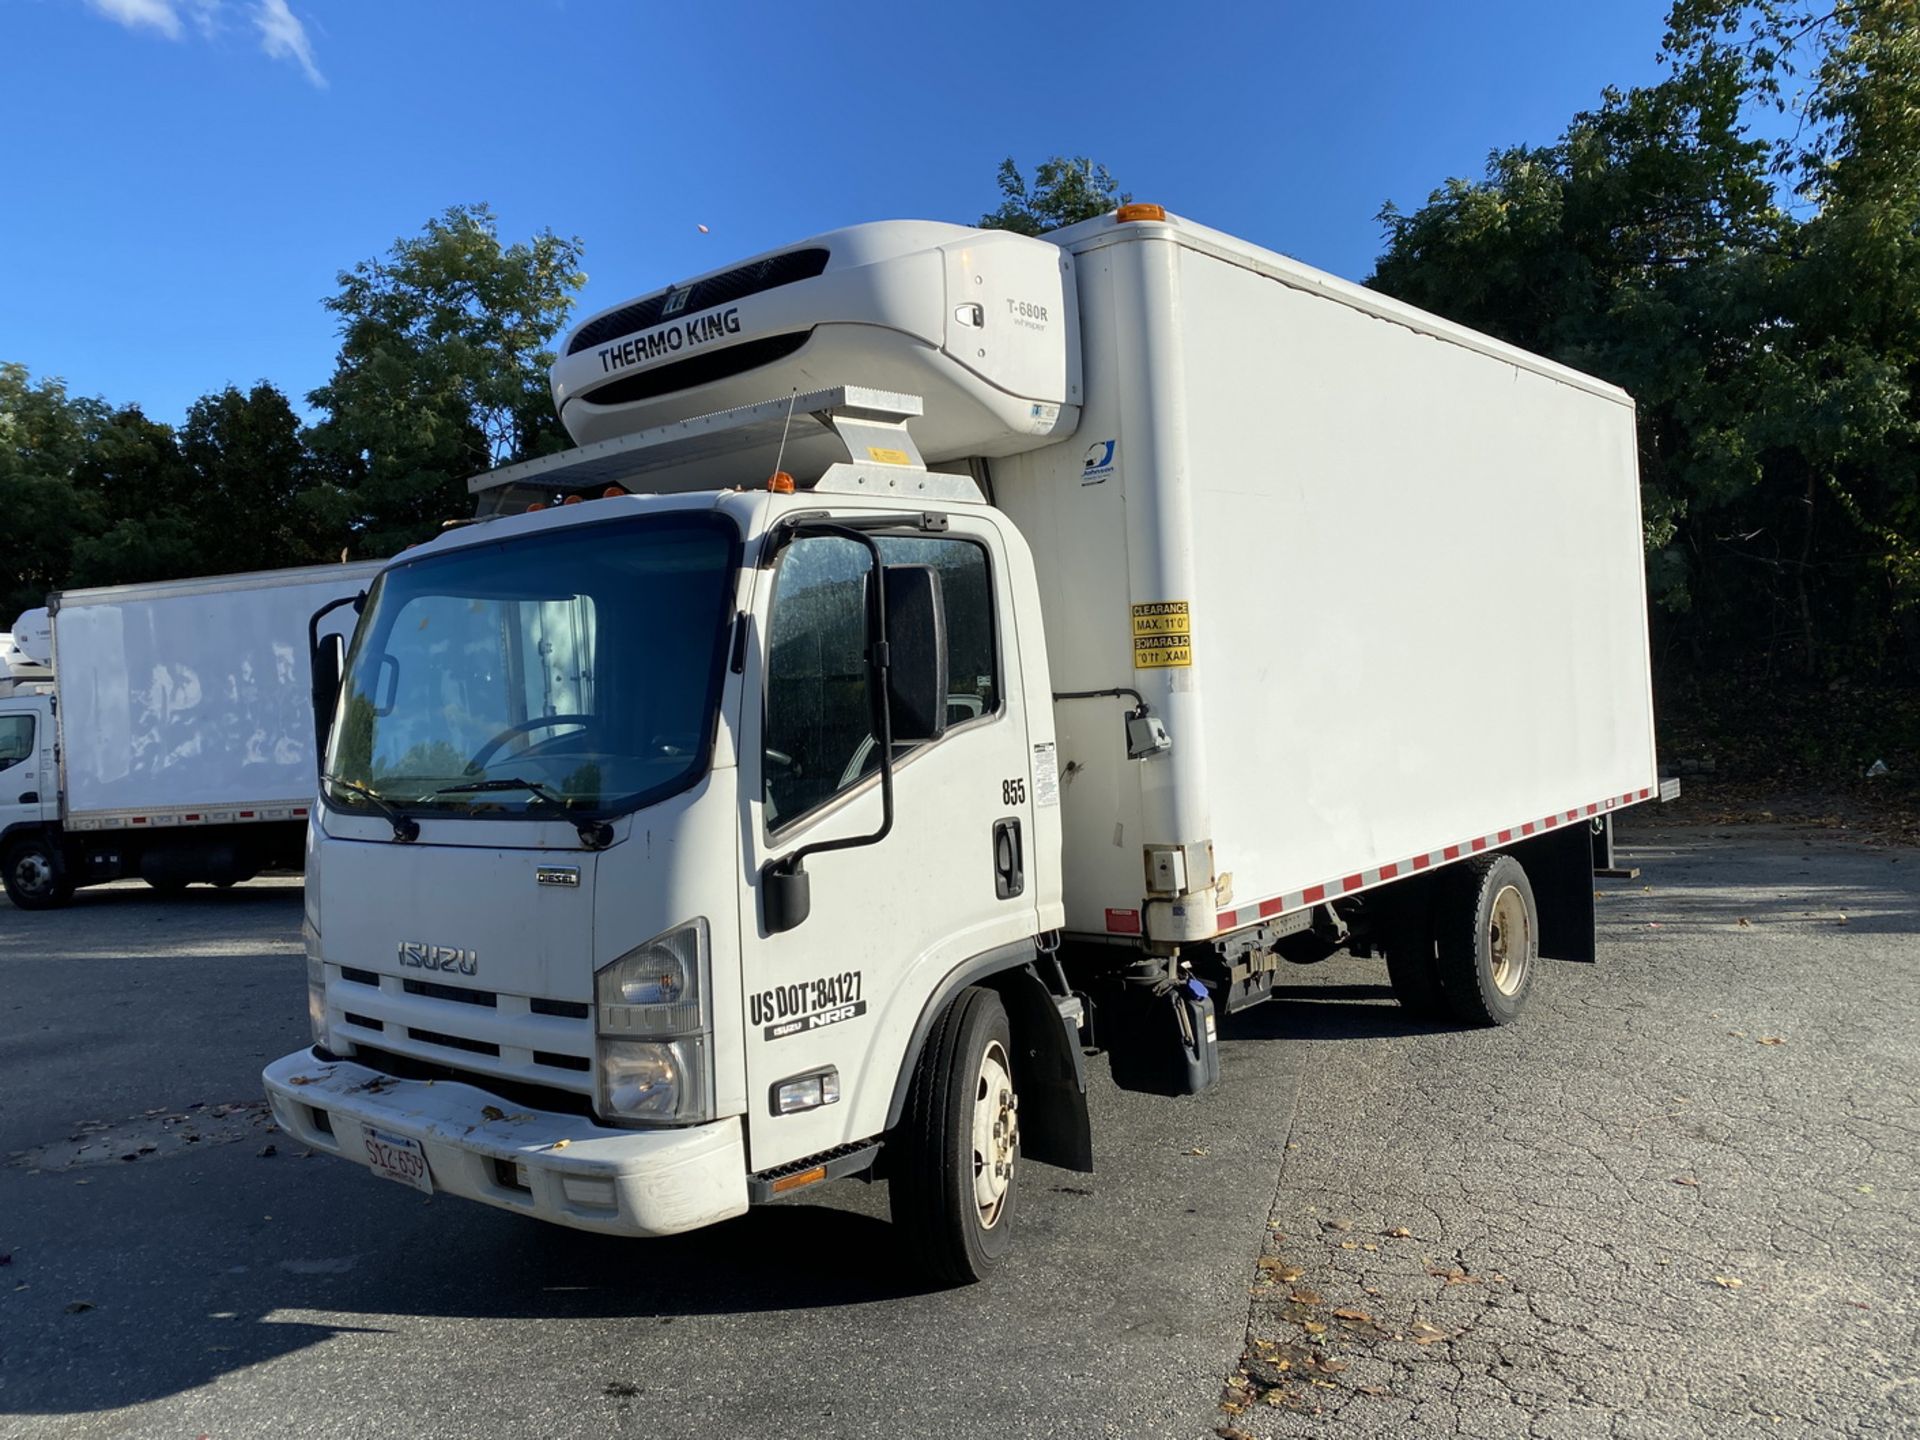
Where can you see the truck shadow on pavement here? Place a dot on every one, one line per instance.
(143, 1308)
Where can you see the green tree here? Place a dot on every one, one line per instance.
(251, 474)
(149, 526)
(442, 372)
(1065, 191)
(43, 438)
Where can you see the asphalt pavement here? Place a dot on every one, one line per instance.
(1677, 1199)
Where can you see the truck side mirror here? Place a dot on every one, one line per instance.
(328, 658)
(326, 662)
(917, 653)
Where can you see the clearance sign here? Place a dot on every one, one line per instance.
(1162, 634)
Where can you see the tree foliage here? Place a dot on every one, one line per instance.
(442, 373)
(1756, 286)
(1065, 191)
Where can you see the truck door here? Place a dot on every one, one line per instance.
(952, 880)
(22, 793)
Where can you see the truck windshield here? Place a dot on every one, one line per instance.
(582, 665)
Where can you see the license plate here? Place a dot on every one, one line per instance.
(398, 1158)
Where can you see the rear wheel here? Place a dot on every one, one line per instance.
(36, 874)
(958, 1143)
(1488, 931)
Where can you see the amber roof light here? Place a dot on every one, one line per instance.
(1137, 210)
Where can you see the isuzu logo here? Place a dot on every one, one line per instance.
(415, 956)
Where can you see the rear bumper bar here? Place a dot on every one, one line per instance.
(560, 1168)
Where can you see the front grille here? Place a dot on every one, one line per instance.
(736, 284)
(571, 1009)
(450, 992)
(360, 977)
(699, 370)
(453, 1042)
(515, 1092)
(562, 1062)
(365, 1022)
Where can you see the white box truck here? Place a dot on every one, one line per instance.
(164, 731)
(946, 653)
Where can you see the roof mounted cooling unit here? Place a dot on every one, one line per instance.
(983, 324)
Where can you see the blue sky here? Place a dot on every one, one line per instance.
(184, 178)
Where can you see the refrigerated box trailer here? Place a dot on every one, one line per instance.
(163, 731)
(949, 651)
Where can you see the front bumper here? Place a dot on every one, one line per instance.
(620, 1182)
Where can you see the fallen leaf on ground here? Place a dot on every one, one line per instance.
(1421, 1333)
(1336, 1224)
(1400, 1232)
(1686, 1180)
(1360, 1315)
(1313, 1327)
(1728, 1282)
(1771, 1040)
(1196, 1150)
(1349, 1244)
(1305, 1297)
(76, 1307)
(1744, 923)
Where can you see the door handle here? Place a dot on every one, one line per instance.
(1009, 861)
(31, 797)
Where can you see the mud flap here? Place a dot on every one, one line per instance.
(1048, 1074)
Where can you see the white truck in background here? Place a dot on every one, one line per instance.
(948, 651)
(163, 731)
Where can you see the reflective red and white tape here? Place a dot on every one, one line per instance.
(1256, 911)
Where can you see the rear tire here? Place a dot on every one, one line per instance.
(36, 874)
(1488, 931)
(958, 1143)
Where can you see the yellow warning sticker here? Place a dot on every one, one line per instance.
(1162, 617)
(887, 457)
(1151, 652)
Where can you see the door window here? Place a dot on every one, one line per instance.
(819, 701)
(16, 740)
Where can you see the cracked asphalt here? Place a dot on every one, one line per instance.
(1678, 1199)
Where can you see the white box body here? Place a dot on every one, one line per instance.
(192, 697)
(1412, 563)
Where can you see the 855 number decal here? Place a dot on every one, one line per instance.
(1014, 792)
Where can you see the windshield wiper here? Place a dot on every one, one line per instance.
(405, 827)
(594, 834)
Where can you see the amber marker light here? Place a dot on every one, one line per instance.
(780, 483)
(1140, 211)
(794, 1182)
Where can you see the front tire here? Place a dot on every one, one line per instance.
(36, 874)
(958, 1143)
(1488, 929)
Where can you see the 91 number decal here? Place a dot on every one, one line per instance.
(1013, 792)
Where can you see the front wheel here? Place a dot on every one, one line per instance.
(958, 1143)
(36, 874)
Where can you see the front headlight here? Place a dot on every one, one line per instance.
(652, 1028)
(316, 983)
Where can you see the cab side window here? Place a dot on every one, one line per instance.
(16, 740)
(819, 702)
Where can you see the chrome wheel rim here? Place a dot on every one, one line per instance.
(33, 874)
(1509, 941)
(996, 1134)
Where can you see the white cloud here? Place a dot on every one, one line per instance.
(134, 13)
(283, 37)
